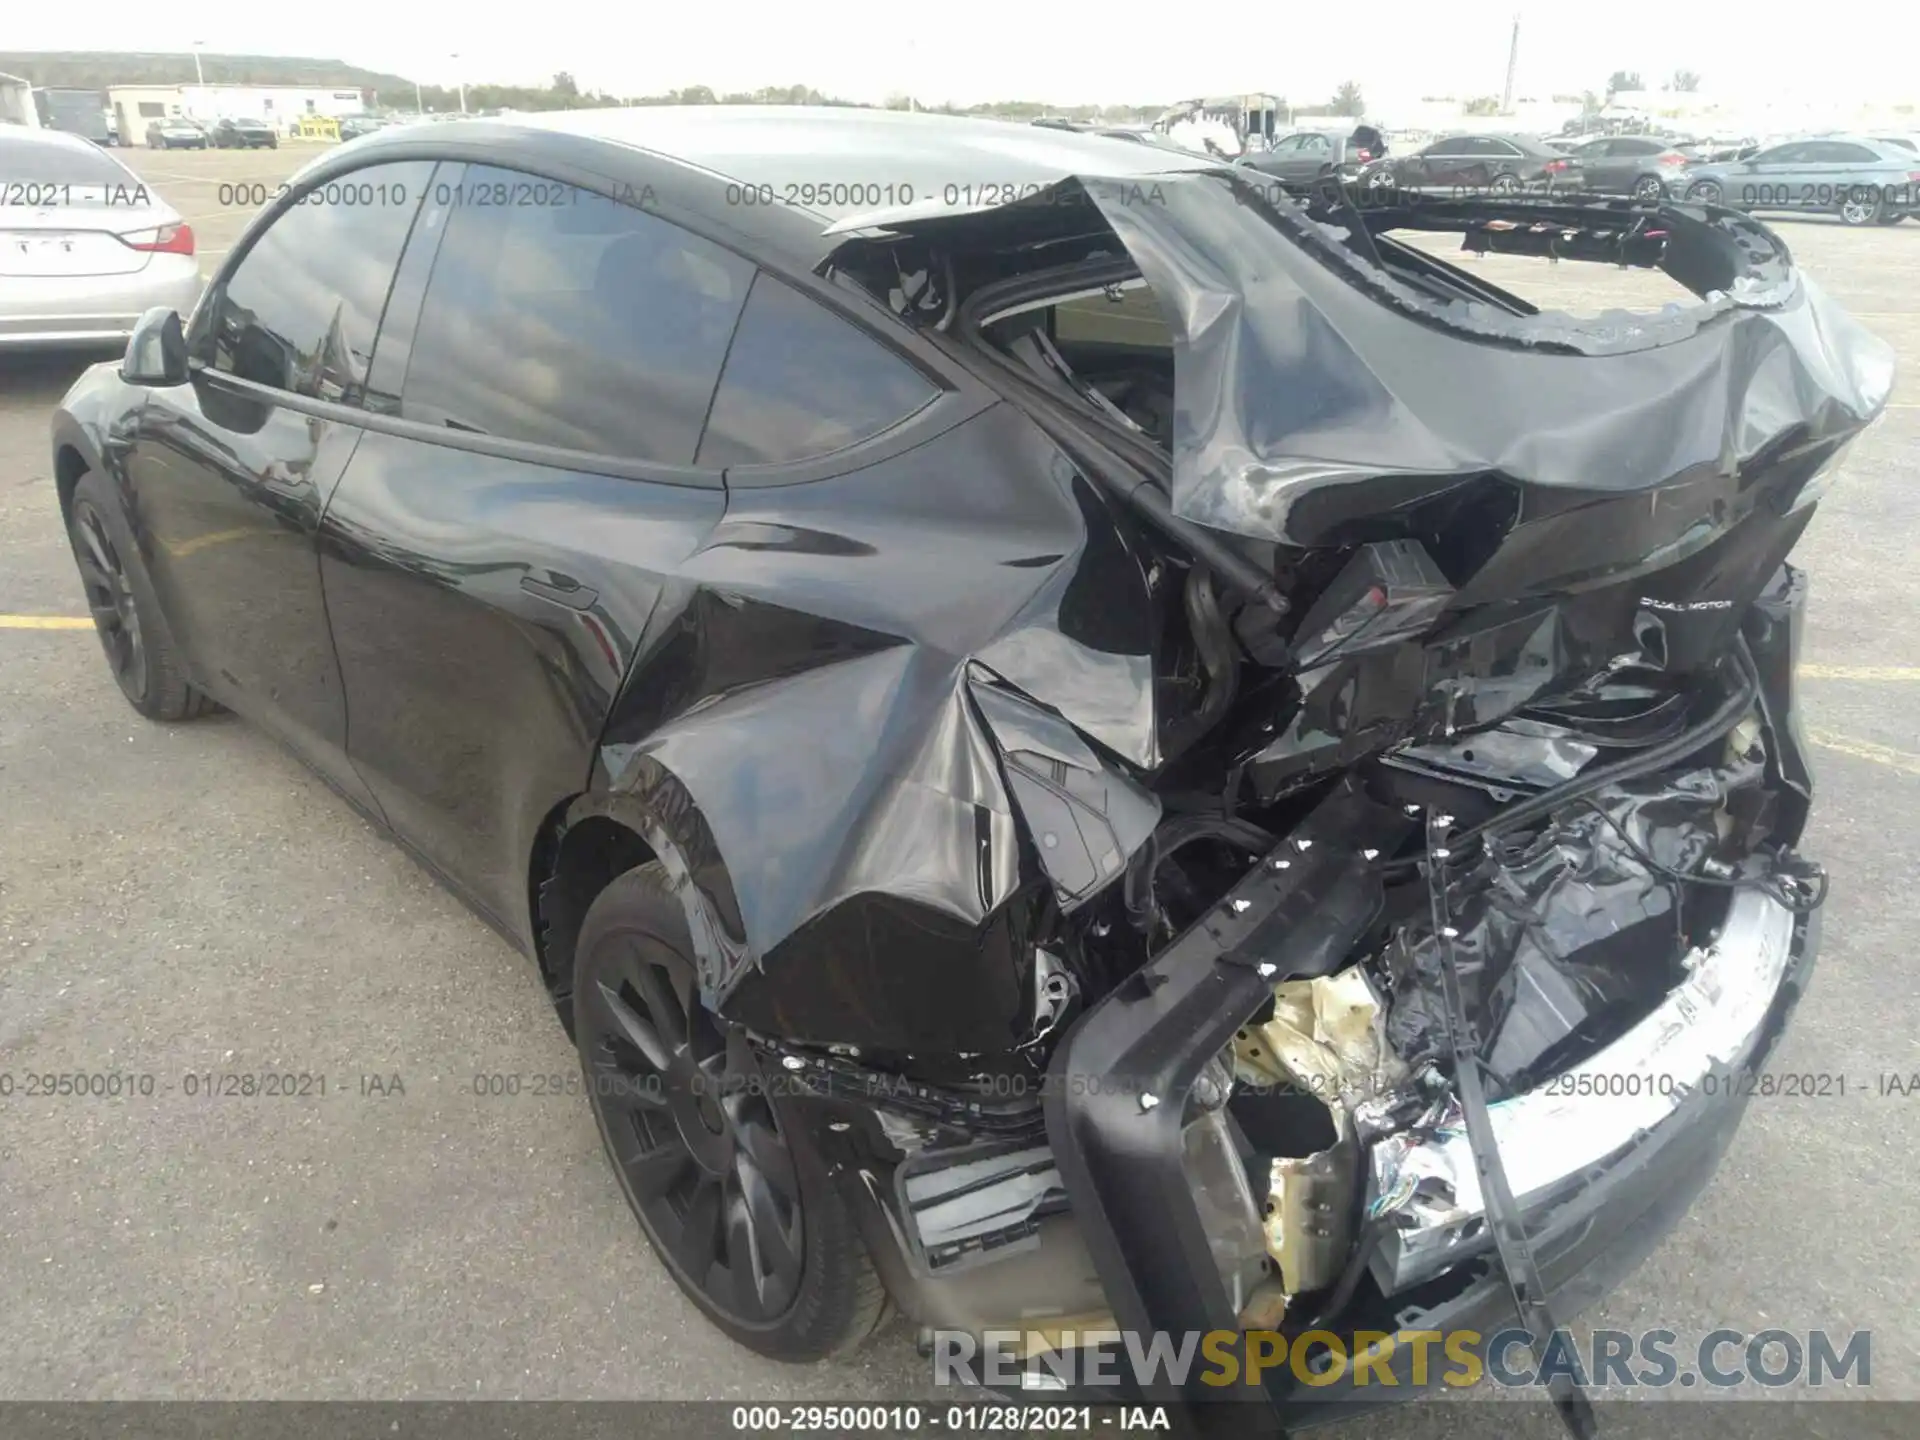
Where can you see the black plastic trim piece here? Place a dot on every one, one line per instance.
(1117, 1087)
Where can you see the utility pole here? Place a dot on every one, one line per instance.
(418, 108)
(1513, 60)
(198, 78)
(463, 84)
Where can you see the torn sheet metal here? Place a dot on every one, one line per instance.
(1326, 1037)
(1309, 1222)
(1518, 753)
(1085, 819)
(812, 689)
(1295, 382)
(1563, 928)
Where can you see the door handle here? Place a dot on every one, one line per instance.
(561, 590)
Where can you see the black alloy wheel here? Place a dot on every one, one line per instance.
(1648, 190)
(110, 599)
(1707, 192)
(686, 1117)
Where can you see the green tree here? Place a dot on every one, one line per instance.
(1347, 100)
(1482, 105)
(1685, 81)
(564, 87)
(1623, 80)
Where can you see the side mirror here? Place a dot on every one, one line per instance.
(157, 350)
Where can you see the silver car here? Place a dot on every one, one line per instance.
(86, 246)
(1863, 181)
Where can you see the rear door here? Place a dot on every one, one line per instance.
(494, 553)
(1598, 167)
(1314, 157)
(229, 473)
(1613, 171)
(1281, 159)
(1415, 171)
(1454, 163)
(1771, 180)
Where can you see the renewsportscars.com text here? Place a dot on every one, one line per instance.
(1721, 1359)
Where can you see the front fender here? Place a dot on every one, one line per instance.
(95, 420)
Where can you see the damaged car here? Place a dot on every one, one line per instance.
(1076, 743)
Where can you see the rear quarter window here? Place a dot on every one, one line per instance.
(801, 382)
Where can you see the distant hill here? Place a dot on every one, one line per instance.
(97, 69)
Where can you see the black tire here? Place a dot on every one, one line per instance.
(1648, 190)
(1707, 192)
(126, 615)
(719, 1167)
(1505, 183)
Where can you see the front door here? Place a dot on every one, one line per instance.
(231, 472)
(488, 591)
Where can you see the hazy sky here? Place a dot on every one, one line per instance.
(1116, 50)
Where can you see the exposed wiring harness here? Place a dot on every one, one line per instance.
(1725, 716)
(1802, 890)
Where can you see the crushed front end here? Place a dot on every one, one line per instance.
(1400, 969)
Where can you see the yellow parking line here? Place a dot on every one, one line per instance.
(1896, 760)
(45, 622)
(180, 549)
(1861, 672)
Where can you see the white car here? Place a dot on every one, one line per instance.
(86, 246)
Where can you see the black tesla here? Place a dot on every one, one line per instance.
(950, 644)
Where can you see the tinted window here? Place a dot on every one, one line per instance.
(565, 318)
(1783, 155)
(1500, 147)
(1315, 142)
(1638, 147)
(800, 381)
(301, 310)
(1839, 152)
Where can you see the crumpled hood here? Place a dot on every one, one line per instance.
(1296, 382)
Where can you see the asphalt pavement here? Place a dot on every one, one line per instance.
(184, 901)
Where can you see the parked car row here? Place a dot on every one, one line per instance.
(1865, 180)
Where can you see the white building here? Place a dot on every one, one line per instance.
(16, 103)
(137, 106)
